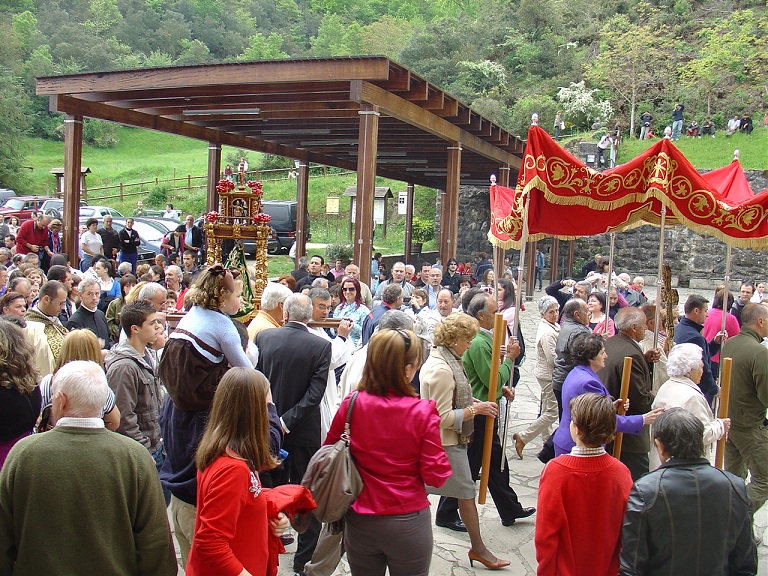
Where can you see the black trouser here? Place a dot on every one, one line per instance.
(504, 497)
(291, 472)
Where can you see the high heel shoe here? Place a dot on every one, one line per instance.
(490, 565)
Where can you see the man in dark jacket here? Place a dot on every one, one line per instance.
(576, 319)
(110, 237)
(745, 295)
(689, 330)
(687, 517)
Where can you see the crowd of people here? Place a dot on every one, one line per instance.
(208, 427)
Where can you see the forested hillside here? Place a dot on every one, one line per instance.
(594, 60)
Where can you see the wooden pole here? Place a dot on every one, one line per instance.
(623, 395)
(726, 365)
(660, 281)
(608, 284)
(499, 334)
(368, 138)
(726, 289)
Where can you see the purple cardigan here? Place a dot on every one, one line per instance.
(580, 380)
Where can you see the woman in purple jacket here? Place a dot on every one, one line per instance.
(589, 353)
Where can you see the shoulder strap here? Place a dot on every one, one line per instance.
(210, 349)
(349, 412)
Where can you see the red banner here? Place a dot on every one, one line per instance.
(568, 199)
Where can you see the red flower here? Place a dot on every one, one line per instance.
(224, 186)
(254, 185)
(212, 217)
(262, 218)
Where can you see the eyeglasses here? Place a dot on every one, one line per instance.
(353, 289)
(406, 338)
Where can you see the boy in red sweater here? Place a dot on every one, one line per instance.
(582, 497)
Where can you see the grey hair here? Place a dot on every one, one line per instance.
(85, 386)
(683, 358)
(628, 317)
(124, 268)
(150, 290)
(681, 433)
(320, 283)
(176, 269)
(585, 285)
(83, 286)
(273, 295)
(479, 303)
(546, 303)
(303, 262)
(298, 308)
(395, 320)
(391, 293)
(319, 293)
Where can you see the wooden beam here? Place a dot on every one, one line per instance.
(73, 160)
(449, 214)
(414, 115)
(330, 70)
(366, 185)
(408, 221)
(214, 170)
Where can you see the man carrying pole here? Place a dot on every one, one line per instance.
(477, 363)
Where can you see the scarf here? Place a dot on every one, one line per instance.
(53, 329)
(462, 393)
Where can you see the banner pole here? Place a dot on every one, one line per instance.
(659, 279)
(499, 334)
(625, 375)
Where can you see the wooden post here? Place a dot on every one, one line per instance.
(73, 158)
(368, 137)
(449, 213)
(214, 168)
(569, 262)
(408, 222)
(623, 396)
(554, 260)
(122, 189)
(302, 199)
(499, 336)
(725, 396)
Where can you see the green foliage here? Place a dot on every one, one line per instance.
(261, 48)
(99, 133)
(520, 118)
(13, 129)
(271, 161)
(343, 252)
(581, 107)
(157, 197)
(422, 229)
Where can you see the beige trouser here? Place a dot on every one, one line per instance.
(183, 518)
(547, 422)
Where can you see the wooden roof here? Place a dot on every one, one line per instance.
(303, 109)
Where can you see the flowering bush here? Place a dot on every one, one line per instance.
(580, 106)
(212, 217)
(225, 186)
(262, 218)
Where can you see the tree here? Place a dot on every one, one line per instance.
(524, 108)
(13, 130)
(261, 48)
(580, 106)
(635, 62)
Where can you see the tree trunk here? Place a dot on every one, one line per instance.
(633, 105)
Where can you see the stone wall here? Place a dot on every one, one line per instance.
(691, 256)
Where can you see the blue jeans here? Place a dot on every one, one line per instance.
(159, 457)
(677, 128)
(132, 258)
(85, 262)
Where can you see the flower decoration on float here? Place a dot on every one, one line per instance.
(212, 217)
(255, 186)
(224, 186)
(262, 218)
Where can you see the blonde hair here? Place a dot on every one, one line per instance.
(455, 326)
(208, 291)
(17, 366)
(239, 423)
(133, 295)
(79, 345)
(389, 352)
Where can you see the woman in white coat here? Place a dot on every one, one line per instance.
(685, 367)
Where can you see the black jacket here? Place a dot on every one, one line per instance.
(689, 331)
(95, 321)
(688, 518)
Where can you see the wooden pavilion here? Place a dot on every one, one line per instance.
(367, 114)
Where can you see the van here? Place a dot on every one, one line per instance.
(283, 223)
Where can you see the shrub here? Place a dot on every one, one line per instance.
(422, 230)
(343, 252)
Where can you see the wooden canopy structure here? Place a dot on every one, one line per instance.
(367, 114)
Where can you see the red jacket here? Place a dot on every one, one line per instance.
(31, 234)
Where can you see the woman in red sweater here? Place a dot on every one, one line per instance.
(582, 497)
(232, 526)
(395, 439)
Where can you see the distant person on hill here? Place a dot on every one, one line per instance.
(559, 124)
(645, 124)
(139, 209)
(733, 125)
(746, 124)
(677, 121)
(692, 130)
(707, 127)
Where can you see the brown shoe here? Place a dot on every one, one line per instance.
(519, 445)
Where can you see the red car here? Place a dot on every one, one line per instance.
(21, 206)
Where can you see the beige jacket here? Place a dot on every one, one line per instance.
(437, 383)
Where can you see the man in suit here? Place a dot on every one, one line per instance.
(630, 323)
(296, 364)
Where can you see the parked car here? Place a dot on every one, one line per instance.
(6, 193)
(150, 237)
(98, 212)
(54, 207)
(283, 222)
(22, 206)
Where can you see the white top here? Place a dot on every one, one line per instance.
(91, 243)
(172, 214)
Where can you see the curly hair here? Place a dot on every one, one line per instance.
(17, 364)
(455, 326)
(208, 290)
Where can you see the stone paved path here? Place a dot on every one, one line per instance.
(516, 542)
